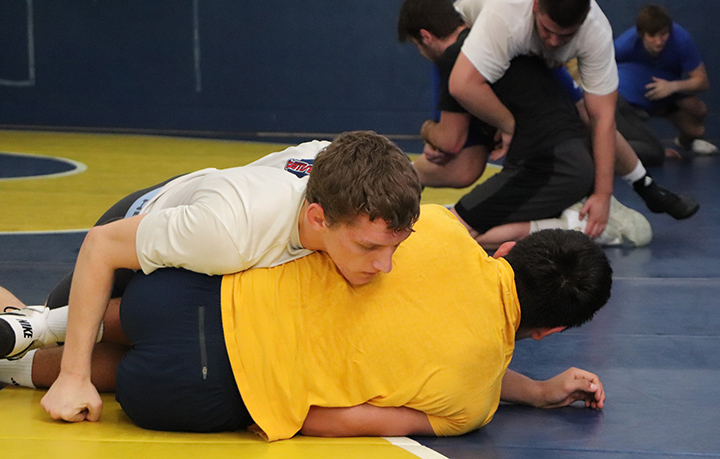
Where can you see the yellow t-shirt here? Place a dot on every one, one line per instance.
(435, 334)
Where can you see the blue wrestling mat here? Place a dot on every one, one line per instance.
(15, 165)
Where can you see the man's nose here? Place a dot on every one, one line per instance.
(384, 260)
(554, 40)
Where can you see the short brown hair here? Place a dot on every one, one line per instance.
(653, 19)
(438, 17)
(565, 13)
(362, 172)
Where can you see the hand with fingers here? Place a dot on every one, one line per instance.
(571, 386)
(597, 211)
(72, 399)
(659, 89)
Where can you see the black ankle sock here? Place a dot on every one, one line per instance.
(685, 143)
(7, 338)
(644, 182)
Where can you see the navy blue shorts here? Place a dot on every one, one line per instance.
(177, 374)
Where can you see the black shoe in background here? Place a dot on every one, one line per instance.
(659, 200)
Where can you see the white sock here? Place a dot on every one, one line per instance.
(18, 372)
(549, 223)
(57, 323)
(638, 173)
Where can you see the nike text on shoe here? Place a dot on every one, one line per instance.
(29, 330)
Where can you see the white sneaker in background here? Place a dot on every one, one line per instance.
(703, 147)
(631, 224)
(610, 237)
(699, 146)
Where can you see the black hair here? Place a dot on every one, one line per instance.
(565, 13)
(438, 17)
(562, 278)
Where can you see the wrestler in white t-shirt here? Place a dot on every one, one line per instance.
(504, 29)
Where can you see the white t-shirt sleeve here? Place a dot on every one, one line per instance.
(490, 45)
(193, 237)
(469, 9)
(596, 55)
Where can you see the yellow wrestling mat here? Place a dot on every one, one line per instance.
(114, 165)
(27, 432)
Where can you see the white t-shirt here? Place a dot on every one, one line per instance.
(504, 29)
(225, 221)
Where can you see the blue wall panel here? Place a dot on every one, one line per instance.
(276, 65)
(231, 66)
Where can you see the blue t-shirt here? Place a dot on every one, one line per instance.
(566, 81)
(636, 67)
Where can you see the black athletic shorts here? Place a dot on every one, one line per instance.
(536, 188)
(177, 374)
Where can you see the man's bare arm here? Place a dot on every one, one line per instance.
(365, 420)
(564, 389)
(601, 111)
(472, 90)
(106, 248)
(696, 82)
(449, 134)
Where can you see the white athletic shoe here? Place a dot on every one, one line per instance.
(30, 327)
(631, 224)
(699, 146)
(610, 237)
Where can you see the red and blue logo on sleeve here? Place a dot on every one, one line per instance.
(300, 167)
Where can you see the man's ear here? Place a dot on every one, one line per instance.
(504, 249)
(541, 333)
(426, 37)
(316, 216)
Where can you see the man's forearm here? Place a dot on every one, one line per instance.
(601, 111)
(519, 389)
(105, 249)
(604, 157)
(474, 93)
(566, 388)
(432, 133)
(365, 420)
(691, 85)
(449, 134)
(89, 294)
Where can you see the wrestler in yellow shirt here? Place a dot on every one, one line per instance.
(308, 338)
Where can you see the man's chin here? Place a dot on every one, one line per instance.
(360, 279)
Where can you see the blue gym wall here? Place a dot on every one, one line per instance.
(233, 67)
